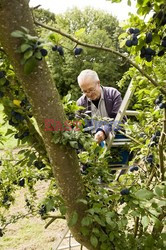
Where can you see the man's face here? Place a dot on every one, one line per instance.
(91, 89)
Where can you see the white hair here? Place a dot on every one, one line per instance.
(87, 73)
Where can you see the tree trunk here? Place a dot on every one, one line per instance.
(46, 104)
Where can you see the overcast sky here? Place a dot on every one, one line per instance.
(120, 10)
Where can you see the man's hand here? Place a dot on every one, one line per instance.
(99, 136)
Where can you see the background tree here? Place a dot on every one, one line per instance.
(91, 26)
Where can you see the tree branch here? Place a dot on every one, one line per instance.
(36, 7)
(52, 219)
(151, 176)
(15, 219)
(93, 46)
(130, 137)
(158, 230)
(161, 142)
(136, 226)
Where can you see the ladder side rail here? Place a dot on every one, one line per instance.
(66, 230)
(124, 105)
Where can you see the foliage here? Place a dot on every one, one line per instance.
(31, 49)
(90, 26)
(125, 213)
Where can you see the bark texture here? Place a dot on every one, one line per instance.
(46, 104)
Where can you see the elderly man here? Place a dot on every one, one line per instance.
(101, 101)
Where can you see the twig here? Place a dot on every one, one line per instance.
(53, 216)
(160, 228)
(130, 137)
(160, 146)
(136, 226)
(52, 219)
(57, 30)
(36, 7)
(151, 176)
(13, 220)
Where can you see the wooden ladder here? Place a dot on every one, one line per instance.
(110, 141)
(67, 236)
(121, 113)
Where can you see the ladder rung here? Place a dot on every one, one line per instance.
(120, 143)
(67, 247)
(122, 140)
(113, 167)
(68, 236)
(132, 112)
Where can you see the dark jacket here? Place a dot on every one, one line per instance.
(113, 100)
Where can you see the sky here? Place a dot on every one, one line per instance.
(120, 10)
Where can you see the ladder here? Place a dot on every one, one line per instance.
(111, 141)
(121, 113)
(67, 238)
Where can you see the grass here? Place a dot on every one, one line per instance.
(29, 233)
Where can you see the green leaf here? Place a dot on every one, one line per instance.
(79, 32)
(122, 43)
(32, 38)
(154, 91)
(73, 219)
(149, 242)
(25, 46)
(2, 81)
(55, 37)
(99, 221)
(73, 144)
(17, 34)
(145, 221)
(163, 236)
(9, 131)
(22, 151)
(86, 221)
(112, 224)
(135, 213)
(29, 65)
(28, 54)
(25, 29)
(158, 191)
(32, 157)
(82, 201)
(156, 221)
(129, 2)
(62, 209)
(111, 214)
(123, 35)
(111, 236)
(108, 220)
(94, 240)
(66, 98)
(23, 61)
(29, 163)
(38, 55)
(84, 231)
(56, 138)
(165, 191)
(91, 211)
(96, 231)
(144, 194)
(115, 1)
